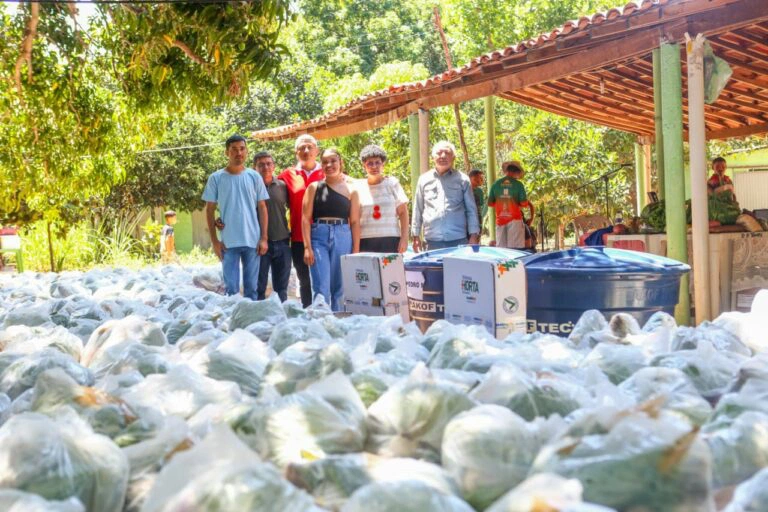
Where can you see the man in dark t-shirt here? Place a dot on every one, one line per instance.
(278, 256)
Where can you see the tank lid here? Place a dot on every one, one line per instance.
(603, 259)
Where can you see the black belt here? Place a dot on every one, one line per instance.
(332, 222)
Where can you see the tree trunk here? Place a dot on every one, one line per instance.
(456, 109)
(50, 247)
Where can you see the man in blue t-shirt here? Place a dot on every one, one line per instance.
(238, 191)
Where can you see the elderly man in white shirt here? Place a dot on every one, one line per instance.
(444, 209)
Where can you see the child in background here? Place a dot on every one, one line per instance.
(167, 241)
(477, 180)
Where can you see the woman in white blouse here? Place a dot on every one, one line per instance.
(383, 206)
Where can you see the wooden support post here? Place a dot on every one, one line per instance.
(413, 134)
(674, 178)
(658, 122)
(490, 156)
(697, 152)
(423, 140)
(456, 109)
(641, 187)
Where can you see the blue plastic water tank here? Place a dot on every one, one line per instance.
(564, 284)
(424, 279)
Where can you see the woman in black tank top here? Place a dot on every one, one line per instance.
(330, 225)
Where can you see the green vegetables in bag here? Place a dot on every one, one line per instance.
(654, 215)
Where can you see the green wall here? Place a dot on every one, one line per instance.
(182, 232)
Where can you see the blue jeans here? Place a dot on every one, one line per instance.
(231, 268)
(279, 258)
(329, 244)
(432, 245)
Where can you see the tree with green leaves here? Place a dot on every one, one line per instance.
(78, 103)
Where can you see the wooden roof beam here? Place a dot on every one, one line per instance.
(748, 36)
(726, 46)
(742, 131)
(628, 94)
(613, 106)
(611, 122)
(544, 99)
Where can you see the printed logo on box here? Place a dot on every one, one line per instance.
(510, 305)
(389, 258)
(394, 288)
(469, 288)
(362, 279)
(504, 266)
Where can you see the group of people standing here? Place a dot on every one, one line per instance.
(332, 214)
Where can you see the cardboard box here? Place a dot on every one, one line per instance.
(488, 289)
(374, 284)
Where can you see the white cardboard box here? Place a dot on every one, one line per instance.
(374, 284)
(486, 289)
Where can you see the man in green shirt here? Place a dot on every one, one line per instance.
(477, 180)
(507, 196)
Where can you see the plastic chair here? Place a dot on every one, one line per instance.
(583, 224)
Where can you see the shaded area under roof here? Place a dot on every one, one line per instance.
(597, 69)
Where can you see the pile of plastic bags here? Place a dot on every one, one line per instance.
(150, 392)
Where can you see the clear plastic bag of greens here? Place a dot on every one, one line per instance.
(717, 72)
(409, 418)
(752, 495)
(672, 387)
(642, 459)
(301, 364)
(739, 449)
(240, 358)
(295, 330)
(531, 395)
(22, 372)
(333, 479)
(118, 332)
(180, 392)
(403, 496)
(457, 344)
(711, 371)
(12, 500)
(326, 418)
(617, 361)
(61, 457)
(545, 492)
(221, 473)
(247, 312)
(21, 339)
(488, 450)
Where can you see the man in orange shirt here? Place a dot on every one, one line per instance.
(297, 178)
(507, 195)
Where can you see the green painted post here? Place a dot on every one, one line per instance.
(490, 157)
(413, 135)
(657, 120)
(640, 178)
(674, 170)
